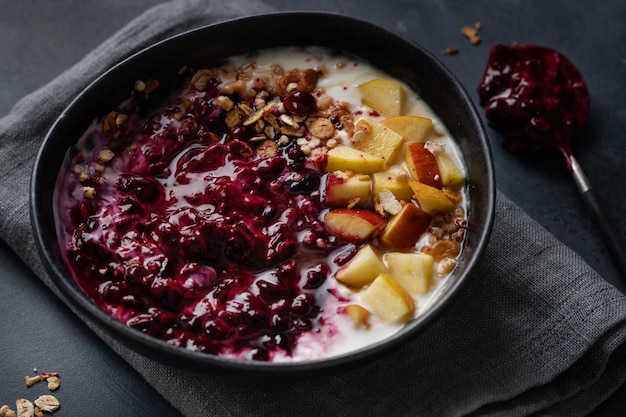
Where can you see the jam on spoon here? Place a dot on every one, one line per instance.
(538, 100)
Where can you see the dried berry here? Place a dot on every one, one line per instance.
(300, 103)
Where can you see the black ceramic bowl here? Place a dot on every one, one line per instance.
(201, 47)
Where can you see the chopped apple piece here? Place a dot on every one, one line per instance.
(431, 199)
(412, 270)
(388, 300)
(384, 96)
(422, 164)
(345, 188)
(354, 225)
(406, 227)
(412, 128)
(346, 158)
(451, 173)
(373, 137)
(362, 269)
(395, 180)
(359, 315)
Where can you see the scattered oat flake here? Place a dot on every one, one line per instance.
(53, 383)
(452, 50)
(47, 403)
(24, 408)
(5, 411)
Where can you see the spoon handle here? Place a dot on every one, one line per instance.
(613, 240)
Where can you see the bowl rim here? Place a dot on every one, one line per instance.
(212, 364)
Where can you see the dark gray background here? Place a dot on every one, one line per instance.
(41, 38)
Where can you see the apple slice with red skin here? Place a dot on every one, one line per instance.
(342, 189)
(354, 225)
(422, 164)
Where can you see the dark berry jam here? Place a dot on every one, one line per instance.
(196, 233)
(534, 96)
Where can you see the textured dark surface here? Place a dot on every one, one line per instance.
(39, 39)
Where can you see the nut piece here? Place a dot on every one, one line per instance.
(308, 79)
(471, 33)
(47, 403)
(109, 124)
(200, 79)
(267, 148)
(322, 128)
(24, 408)
(53, 383)
(446, 266)
(31, 380)
(105, 155)
(151, 85)
(89, 192)
(5, 411)
(224, 103)
(233, 118)
(121, 120)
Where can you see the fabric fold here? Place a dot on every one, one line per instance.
(535, 331)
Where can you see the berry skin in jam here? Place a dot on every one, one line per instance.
(535, 97)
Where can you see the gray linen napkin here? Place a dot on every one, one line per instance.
(535, 332)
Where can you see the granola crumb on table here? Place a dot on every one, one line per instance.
(44, 403)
